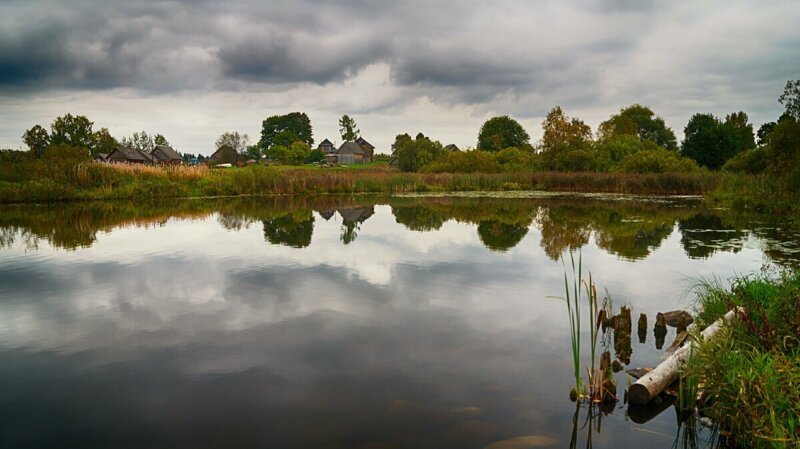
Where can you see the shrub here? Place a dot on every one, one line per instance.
(474, 161)
(750, 161)
(575, 160)
(657, 161)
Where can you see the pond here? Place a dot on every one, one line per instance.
(343, 321)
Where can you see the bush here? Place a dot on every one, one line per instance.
(413, 154)
(475, 161)
(575, 160)
(752, 161)
(657, 161)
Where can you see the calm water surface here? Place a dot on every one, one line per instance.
(340, 322)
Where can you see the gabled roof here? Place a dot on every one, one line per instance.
(131, 154)
(326, 142)
(350, 147)
(452, 147)
(362, 141)
(165, 153)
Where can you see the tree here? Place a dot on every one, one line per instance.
(561, 131)
(766, 128)
(285, 138)
(159, 139)
(641, 121)
(741, 130)
(413, 154)
(295, 153)
(501, 132)
(708, 141)
(37, 139)
(784, 143)
(140, 141)
(104, 142)
(348, 128)
(253, 152)
(791, 98)
(239, 142)
(72, 130)
(296, 122)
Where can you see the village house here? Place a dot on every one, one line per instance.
(130, 156)
(224, 155)
(350, 152)
(164, 154)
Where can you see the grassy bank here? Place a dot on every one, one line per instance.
(750, 376)
(765, 192)
(39, 180)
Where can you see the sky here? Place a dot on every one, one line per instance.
(192, 70)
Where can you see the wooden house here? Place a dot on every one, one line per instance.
(326, 146)
(224, 155)
(369, 149)
(349, 153)
(164, 154)
(130, 156)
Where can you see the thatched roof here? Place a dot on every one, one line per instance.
(165, 153)
(350, 147)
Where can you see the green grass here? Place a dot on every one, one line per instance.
(54, 180)
(750, 376)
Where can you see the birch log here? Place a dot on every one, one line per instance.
(653, 383)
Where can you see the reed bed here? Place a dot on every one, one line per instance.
(91, 180)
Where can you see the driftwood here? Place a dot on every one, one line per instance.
(680, 339)
(677, 318)
(654, 382)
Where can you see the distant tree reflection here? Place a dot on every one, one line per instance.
(291, 229)
(704, 234)
(499, 236)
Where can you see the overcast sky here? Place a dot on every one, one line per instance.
(194, 69)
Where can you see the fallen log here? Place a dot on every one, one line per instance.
(653, 383)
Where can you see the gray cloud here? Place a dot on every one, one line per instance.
(503, 57)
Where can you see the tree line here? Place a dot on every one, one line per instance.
(287, 138)
(633, 140)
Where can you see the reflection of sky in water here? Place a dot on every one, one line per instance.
(191, 335)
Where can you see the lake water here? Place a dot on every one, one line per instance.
(341, 322)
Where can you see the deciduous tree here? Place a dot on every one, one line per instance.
(37, 139)
(641, 121)
(560, 130)
(708, 141)
(741, 130)
(296, 122)
(104, 142)
(72, 130)
(239, 142)
(791, 98)
(502, 132)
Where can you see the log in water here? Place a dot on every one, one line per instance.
(653, 383)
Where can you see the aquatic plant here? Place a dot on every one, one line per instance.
(601, 387)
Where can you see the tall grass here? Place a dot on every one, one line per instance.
(750, 375)
(600, 378)
(42, 179)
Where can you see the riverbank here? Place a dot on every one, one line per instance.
(62, 182)
(750, 375)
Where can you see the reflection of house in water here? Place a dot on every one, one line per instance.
(327, 214)
(351, 220)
